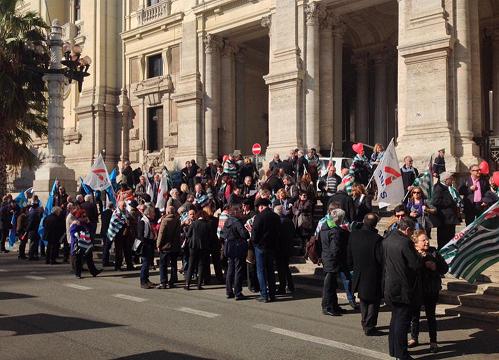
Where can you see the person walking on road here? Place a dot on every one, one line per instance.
(82, 244)
(147, 237)
(168, 244)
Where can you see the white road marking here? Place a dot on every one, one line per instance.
(33, 277)
(326, 342)
(4, 270)
(198, 312)
(79, 287)
(128, 297)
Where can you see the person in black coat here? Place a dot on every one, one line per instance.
(332, 237)
(147, 236)
(106, 244)
(54, 226)
(201, 237)
(274, 182)
(434, 266)
(265, 236)
(409, 173)
(235, 237)
(448, 214)
(345, 203)
(366, 256)
(284, 252)
(34, 218)
(473, 190)
(400, 284)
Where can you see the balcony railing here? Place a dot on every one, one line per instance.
(154, 12)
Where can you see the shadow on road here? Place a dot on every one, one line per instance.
(160, 355)
(47, 323)
(11, 296)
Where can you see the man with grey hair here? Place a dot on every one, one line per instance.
(332, 236)
(54, 229)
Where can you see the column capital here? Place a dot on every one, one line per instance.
(314, 13)
(212, 43)
(360, 60)
(339, 28)
(229, 49)
(380, 58)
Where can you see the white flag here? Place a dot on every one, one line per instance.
(389, 179)
(98, 177)
(162, 190)
(149, 190)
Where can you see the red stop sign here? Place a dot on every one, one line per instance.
(256, 149)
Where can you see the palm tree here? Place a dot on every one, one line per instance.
(23, 57)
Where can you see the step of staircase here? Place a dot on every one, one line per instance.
(473, 313)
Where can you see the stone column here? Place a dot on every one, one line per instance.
(228, 111)
(312, 84)
(212, 95)
(266, 22)
(54, 168)
(495, 80)
(338, 33)
(327, 56)
(380, 99)
(464, 92)
(126, 114)
(362, 104)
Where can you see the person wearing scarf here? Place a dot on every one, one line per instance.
(448, 203)
(81, 244)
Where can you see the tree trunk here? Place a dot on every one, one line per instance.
(3, 165)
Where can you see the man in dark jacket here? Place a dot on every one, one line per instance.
(473, 190)
(366, 255)
(106, 244)
(275, 162)
(265, 235)
(447, 209)
(284, 251)
(400, 281)
(331, 237)
(34, 218)
(274, 182)
(168, 244)
(54, 226)
(5, 225)
(328, 184)
(409, 173)
(344, 201)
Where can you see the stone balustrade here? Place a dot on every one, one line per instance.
(154, 12)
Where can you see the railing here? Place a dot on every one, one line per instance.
(154, 12)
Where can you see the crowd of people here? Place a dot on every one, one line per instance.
(244, 225)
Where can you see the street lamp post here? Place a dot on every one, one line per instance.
(72, 67)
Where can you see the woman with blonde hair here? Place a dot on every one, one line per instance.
(377, 155)
(434, 266)
(362, 202)
(282, 199)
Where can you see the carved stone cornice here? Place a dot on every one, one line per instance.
(266, 22)
(212, 43)
(159, 84)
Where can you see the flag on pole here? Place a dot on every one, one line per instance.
(112, 177)
(47, 210)
(12, 231)
(85, 187)
(98, 177)
(425, 182)
(389, 179)
(476, 248)
(21, 198)
(111, 195)
(162, 191)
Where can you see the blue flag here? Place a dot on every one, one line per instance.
(112, 177)
(12, 231)
(86, 188)
(47, 210)
(110, 194)
(21, 198)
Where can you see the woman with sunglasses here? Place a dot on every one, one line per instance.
(419, 209)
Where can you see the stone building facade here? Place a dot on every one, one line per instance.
(174, 80)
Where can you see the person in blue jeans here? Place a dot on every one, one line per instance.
(346, 279)
(147, 235)
(264, 236)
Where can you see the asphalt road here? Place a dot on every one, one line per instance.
(46, 313)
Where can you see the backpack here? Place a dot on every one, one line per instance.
(313, 249)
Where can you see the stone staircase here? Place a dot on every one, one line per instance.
(478, 301)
